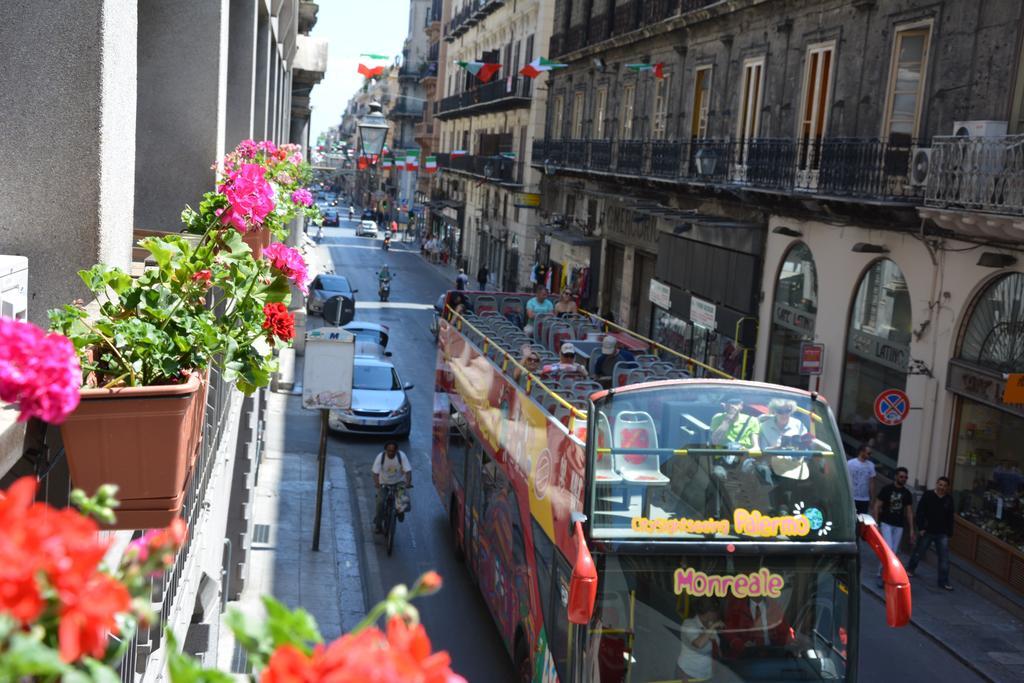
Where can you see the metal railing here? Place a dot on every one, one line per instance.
(496, 94)
(977, 173)
(846, 167)
(495, 168)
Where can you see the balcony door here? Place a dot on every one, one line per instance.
(814, 110)
(906, 85)
(701, 103)
(749, 122)
(600, 106)
(578, 103)
(628, 102)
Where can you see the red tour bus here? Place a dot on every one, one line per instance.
(670, 526)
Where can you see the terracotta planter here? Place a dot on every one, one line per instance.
(198, 419)
(144, 440)
(258, 240)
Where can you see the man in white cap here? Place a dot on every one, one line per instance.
(566, 363)
(610, 355)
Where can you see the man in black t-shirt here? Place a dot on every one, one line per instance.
(935, 524)
(893, 509)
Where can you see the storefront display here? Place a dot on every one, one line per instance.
(877, 356)
(793, 316)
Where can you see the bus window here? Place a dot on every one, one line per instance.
(457, 445)
(772, 619)
(720, 461)
(553, 604)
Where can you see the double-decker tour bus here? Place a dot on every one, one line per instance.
(661, 524)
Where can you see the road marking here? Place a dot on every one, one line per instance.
(394, 304)
(395, 250)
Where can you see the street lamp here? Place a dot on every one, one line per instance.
(373, 130)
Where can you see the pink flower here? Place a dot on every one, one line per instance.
(247, 149)
(295, 159)
(250, 195)
(267, 146)
(38, 371)
(284, 179)
(302, 196)
(289, 263)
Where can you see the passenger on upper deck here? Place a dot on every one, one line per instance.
(610, 355)
(780, 427)
(539, 304)
(737, 430)
(566, 364)
(460, 304)
(566, 304)
(529, 359)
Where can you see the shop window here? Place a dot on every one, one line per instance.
(793, 316)
(877, 353)
(700, 343)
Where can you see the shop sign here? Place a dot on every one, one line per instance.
(660, 294)
(702, 313)
(794, 319)
(526, 200)
(645, 234)
(812, 358)
(1014, 391)
(892, 407)
(883, 351)
(984, 386)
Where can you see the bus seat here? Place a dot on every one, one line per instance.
(637, 375)
(586, 387)
(662, 367)
(647, 359)
(636, 429)
(557, 333)
(604, 472)
(540, 326)
(621, 372)
(485, 304)
(512, 306)
(678, 373)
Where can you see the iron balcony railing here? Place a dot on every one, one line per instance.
(975, 173)
(500, 93)
(407, 110)
(469, 15)
(853, 167)
(495, 168)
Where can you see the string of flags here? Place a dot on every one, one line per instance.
(482, 70)
(657, 69)
(539, 66)
(372, 65)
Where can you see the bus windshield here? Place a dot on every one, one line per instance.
(718, 461)
(753, 618)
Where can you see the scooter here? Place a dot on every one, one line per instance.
(387, 243)
(384, 290)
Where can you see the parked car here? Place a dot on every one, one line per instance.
(379, 402)
(367, 215)
(366, 229)
(323, 288)
(331, 216)
(371, 338)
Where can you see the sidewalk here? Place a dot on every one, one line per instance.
(974, 628)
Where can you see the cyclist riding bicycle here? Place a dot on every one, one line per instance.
(390, 468)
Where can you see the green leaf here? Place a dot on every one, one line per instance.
(291, 627)
(185, 669)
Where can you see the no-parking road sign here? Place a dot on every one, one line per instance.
(892, 407)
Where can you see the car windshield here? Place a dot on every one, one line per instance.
(699, 461)
(773, 618)
(334, 283)
(375, 378)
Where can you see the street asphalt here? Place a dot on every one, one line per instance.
(457, 618)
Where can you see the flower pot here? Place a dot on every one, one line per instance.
(141, 438)
(198, 419)
(258, 240)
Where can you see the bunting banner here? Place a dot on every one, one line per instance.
(430, 164)
(539, 66)
(482, 70)
(372, 65)
(458, 153)
(412, 160)
(657, 69)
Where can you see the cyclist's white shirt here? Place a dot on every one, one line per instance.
(391, 470)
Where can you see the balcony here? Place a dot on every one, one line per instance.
(496, 169)
(469, 15)
(406, 110)
(493, 96)
(977, 174)
(834, 167)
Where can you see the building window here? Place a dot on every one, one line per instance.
(628, 100)
(1017, 113)
(578, 102)
(701, 103)
(793, 315)
(814, 108)
(877, 355)
(556, 118)
(600, 105)
(750, 99)
(661, 91)
(906, 84)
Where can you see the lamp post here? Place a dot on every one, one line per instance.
(373, 131)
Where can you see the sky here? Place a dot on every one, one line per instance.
(352, 27)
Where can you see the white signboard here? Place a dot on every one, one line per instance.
(702, 313)
(660, 295)
(327, 375)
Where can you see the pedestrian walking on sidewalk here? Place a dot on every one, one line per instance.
(935, 525)
(893, 510)
(481, 277)
(862, 479)
(461, 280)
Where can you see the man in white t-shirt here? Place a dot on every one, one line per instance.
(862, 479)
(390, 467)
(699, 641)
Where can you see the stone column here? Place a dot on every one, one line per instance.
(181, 106)
(242, 40)
(67, 143)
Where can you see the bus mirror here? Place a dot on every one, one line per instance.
(583, 584)
(898, 604)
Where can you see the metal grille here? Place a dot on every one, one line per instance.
(261, 533)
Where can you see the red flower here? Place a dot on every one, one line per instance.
(202, 276)
(278, 322)
(403, 656)
(89, 616)
(428, 584)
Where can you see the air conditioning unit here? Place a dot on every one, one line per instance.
(920, 166)
(980, 129)
(14, 287)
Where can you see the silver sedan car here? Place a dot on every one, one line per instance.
(379, 402)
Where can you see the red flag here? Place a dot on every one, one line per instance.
(363, 163)
(487, 71)
(370, 71)
(659, 70)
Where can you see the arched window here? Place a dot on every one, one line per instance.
(877, 354)
(994, 335)
(793, 314)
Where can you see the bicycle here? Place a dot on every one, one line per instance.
(396, 504)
